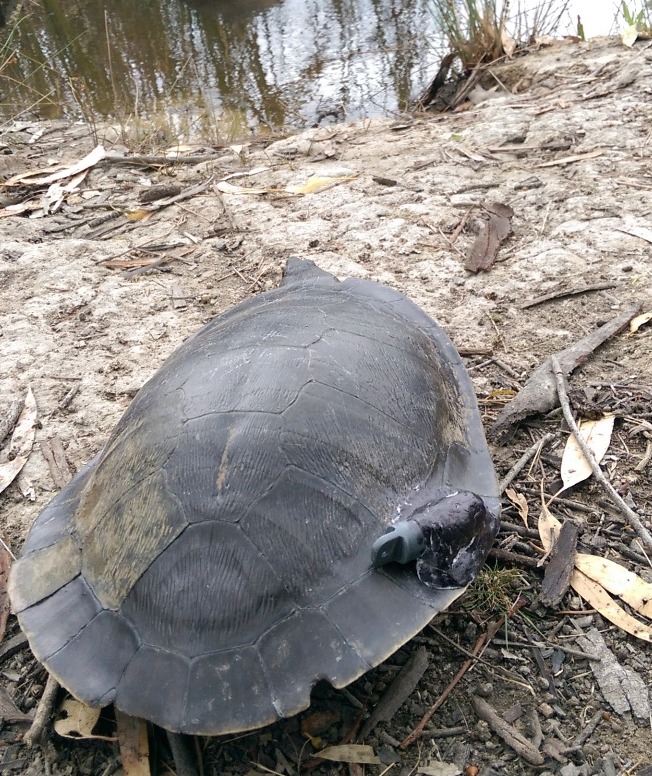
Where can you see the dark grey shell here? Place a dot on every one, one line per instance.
(213, 562)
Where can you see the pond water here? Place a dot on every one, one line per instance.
(237, 65)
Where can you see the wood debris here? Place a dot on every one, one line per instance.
(560, 566)
(398, 691)
(539, 394)
(622, 688)
(484, 250)
(507, 732)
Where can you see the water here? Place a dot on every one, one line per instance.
(237, 65)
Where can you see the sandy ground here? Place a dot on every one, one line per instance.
(69, 320)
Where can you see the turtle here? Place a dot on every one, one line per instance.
(292, 496)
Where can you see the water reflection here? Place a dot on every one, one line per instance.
(251, 62)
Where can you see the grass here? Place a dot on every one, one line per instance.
(494, 590)
(638, 16)
(483, 31)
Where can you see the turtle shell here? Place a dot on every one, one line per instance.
(212, 563)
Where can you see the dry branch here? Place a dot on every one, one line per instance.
(632, 518)
(539, 394)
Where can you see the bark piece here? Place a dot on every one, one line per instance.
(9, 712)
(485, 248)
(539, 394)
(55, 455)
(623, 689)
(560, 567)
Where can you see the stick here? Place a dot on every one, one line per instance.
(589, 728)
(11, 418)
(632, 518)
(539, 394)
(36, 733)
(560, 566)
(478, 649)
(399, 690)
(509, 734)
(536, 448)
(418, 730)
(515, 558)
(562, 292)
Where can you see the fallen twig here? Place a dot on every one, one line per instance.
(42, 718)
(562, 292)
(514, 557)
(480, 645)
(589, 729)
(533, 451)
(419, 729)
(539, 394)
(507, 732)
(398, 691)
(54, 454)
(502, 672)
(157, 161)
(632, 518)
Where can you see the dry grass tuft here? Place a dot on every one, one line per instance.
(483, 31)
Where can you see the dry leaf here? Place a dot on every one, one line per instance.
(21, 442)
(629, 35)
(485, 248)
(319, 722)
(509, 44)
(20, 207)
(634, 230)
(350, 753)
(79, 721)
(597, 597)
(245, 173)
(597, 435)
(592, 592)
(230, 188)
(549, 528)
(134, 746)
(317, 183)
(139, 215)
(37, 178)
(520, 502)
(640, 320)
(9, 471)
(434, 768)
(618, 580)
(180, 149)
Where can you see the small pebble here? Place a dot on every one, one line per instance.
(482, 731)
(484, 689)
(546, 710)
